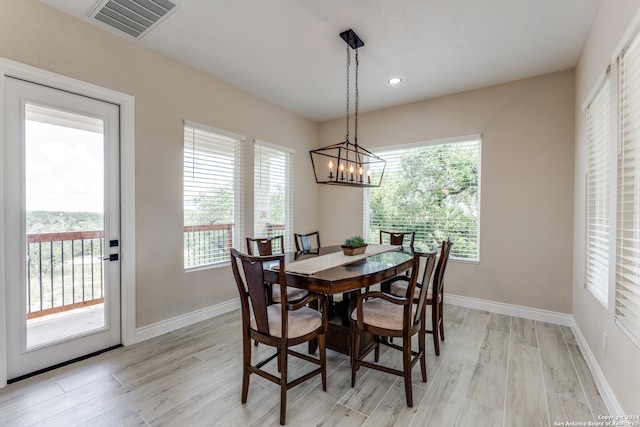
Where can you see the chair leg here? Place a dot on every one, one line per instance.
(441, 320)
(434, 328)
(422, 347)
(406, 365)
(355, 350)
(283, 384)
(377, 349)
(246, 361)
(323, 359)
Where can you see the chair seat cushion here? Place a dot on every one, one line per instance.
(292, 293)
(301, 322)
(399, 288)
(382, 314)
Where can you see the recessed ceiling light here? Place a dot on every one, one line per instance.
(394, 80)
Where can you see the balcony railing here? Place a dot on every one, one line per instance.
(207, 244)
(64, 271)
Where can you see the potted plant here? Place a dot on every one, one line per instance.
(354, 246)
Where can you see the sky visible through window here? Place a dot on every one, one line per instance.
(64, 165)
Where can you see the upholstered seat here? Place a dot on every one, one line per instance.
(300, 322)
(399, 288)
(382, 314)
(292, 293)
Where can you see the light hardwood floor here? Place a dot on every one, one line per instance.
(493, 370)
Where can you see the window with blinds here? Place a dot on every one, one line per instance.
(273, 193)
(213, 194)
(597, 195)
(432, 189)
(627, 298)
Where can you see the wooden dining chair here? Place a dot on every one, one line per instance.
(264, 247)
(403, 238)
(387, 316)
(307, 242)
(435, 293)
(280, 325)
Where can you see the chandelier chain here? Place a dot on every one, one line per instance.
(356, 112)
(348, 89)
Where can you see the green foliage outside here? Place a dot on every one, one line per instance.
(435, 194)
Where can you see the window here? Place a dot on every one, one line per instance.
(627, 299)
(432, 190)
(213, 194)
(597, 195)
(272, 197)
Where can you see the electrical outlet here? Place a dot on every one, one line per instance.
(604, 342)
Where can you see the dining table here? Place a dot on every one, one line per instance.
(328, 271)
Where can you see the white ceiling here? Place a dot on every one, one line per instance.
(290, 52)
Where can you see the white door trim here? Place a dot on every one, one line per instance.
(127, 191)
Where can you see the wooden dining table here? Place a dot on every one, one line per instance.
(347, 280)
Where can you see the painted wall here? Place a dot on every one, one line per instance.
(165, 92)
(526, 208)
(619, 363)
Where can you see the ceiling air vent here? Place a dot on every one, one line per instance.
(134, 17)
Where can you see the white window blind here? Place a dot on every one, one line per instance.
(273, 192)
(213, 195)
(627, 299)
(597, 195)
(432, 190)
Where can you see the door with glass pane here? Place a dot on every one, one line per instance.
(61, 187)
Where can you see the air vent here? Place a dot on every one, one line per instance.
(133, 17)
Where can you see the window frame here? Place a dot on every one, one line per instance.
(237, 146)
(422, 144)
(288, 154)
(598, 198)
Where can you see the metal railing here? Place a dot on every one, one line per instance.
(64, 271)
(207, 244)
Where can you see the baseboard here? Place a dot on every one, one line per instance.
(157, 329)
(613, 406)
(510, 309)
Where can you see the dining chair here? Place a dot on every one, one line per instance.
(386, 316)
(397, 238)
(280, 325)
(306, 242)
(435, 293)
(265, 246)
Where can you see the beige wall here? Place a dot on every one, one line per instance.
(165, 92)
(619, 363)
(526, 208)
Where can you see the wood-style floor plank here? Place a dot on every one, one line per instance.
(493, 370)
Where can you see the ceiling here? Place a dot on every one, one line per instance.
(290, 52)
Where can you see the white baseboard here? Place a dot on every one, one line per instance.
(511, 310)
(157, 329)
(613, 406)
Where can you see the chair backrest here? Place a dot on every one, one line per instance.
(306, 242)
(398, 237)
(438, 275)
(265, 246)
(253, 292)
(430, 262)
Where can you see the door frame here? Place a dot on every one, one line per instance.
(127, 191)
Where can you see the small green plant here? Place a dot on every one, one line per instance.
(354, 242)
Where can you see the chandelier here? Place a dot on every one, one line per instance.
(348, 163)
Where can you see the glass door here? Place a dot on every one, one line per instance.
(61, 179)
